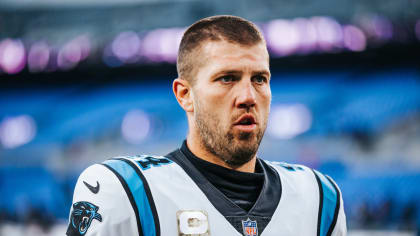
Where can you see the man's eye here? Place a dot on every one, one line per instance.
(259, 79)
(227, 78)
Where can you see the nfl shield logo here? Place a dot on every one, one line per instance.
(250, 227)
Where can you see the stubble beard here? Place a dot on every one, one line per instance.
(234, 151)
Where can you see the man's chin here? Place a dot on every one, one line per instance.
(241, 154)
(246, 136)
(246, 140)
(246, 143)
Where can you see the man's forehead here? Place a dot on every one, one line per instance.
(226, 54)
(214, 49)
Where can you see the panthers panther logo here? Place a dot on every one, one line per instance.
(81, 217)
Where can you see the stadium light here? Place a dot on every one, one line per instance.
(308, 35)
(16, 131)
(162, 45)
(38, 57)
(135, 126)
(329, 33)
(283, 37)
(288, 121)
(126, 47)
(354, 38)
(73, 52)
(12, 56)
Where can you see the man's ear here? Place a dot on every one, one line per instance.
(183, 94)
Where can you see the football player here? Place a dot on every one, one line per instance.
(214, 184)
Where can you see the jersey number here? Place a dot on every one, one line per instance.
(146, 162)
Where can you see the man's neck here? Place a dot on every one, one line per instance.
(198, 149)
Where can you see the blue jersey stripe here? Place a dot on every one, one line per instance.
(136, 186)
(329, 204)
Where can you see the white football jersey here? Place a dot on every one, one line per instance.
(168, 196)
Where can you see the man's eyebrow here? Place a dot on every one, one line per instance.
(225, 72)
(230, 72)
(262, 72)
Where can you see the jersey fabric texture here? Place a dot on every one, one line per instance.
(150, 196)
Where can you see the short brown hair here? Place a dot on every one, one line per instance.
(215, 28)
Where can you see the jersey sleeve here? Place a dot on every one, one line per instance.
(341, 226)
(100, 205)
(331, 217)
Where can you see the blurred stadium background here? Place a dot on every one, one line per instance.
(85, 80)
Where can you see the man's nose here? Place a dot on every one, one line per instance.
(246, 95)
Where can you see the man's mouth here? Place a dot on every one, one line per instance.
(246, 119)
(246, 123)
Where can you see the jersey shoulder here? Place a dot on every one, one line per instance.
(292, 172)
(114, 193)
(308, 185)
(144, 162)
(299, 171)
(98, 200)
(301, 175)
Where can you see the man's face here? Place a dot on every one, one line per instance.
(231, 97)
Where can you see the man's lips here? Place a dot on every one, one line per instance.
(246, 119)
(245, 123)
